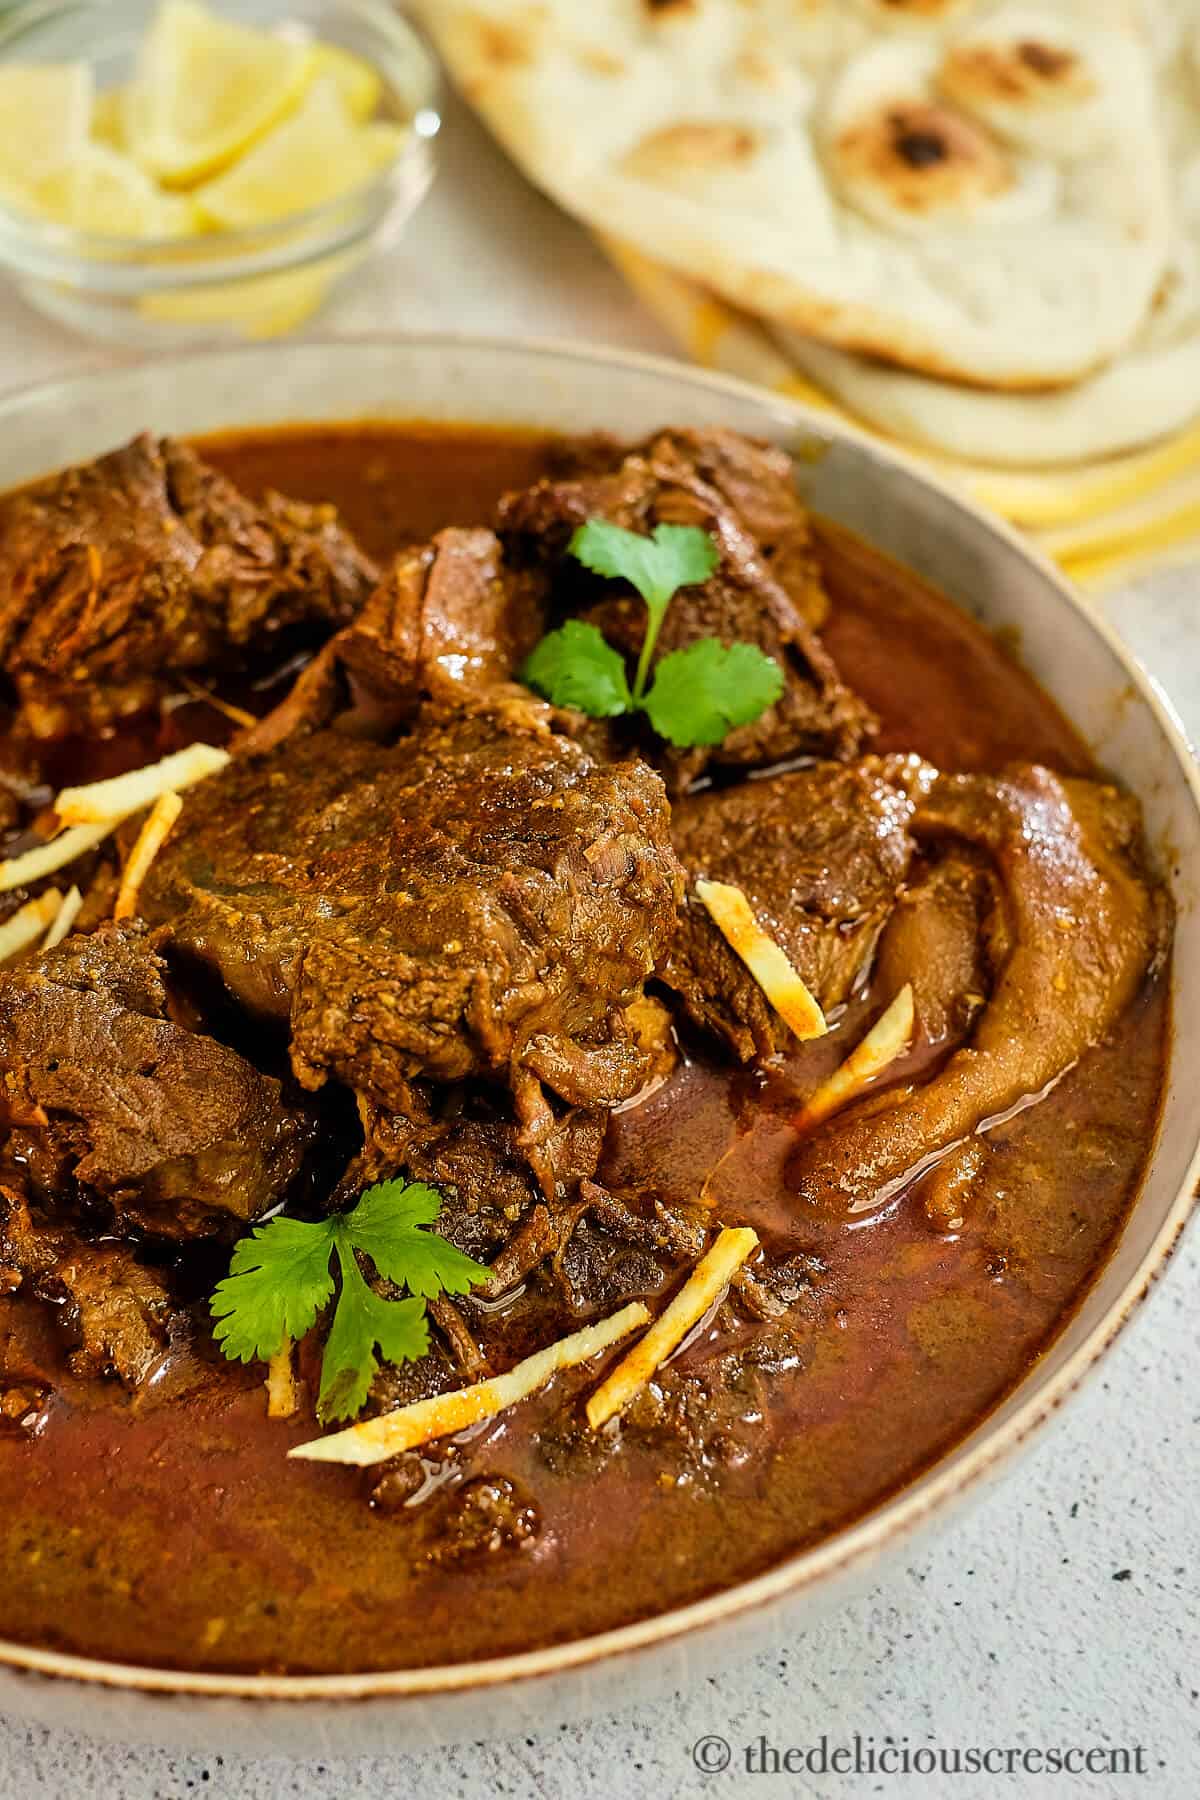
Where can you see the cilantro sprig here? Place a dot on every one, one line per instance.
(282, 1275)
(699, 693)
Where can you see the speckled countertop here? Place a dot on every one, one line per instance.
(1062, 1611)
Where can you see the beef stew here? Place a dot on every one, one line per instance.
(424, 926)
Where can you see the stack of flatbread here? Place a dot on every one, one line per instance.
(972, 224)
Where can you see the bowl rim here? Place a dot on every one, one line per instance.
(894, 1520)
(49, 250)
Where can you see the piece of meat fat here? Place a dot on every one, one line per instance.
(1085, 926)
(939, 942)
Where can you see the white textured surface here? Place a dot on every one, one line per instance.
(1062, 1611)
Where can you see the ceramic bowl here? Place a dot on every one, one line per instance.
(984, 568)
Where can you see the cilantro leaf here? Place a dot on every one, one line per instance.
(388, 1226)
(279, 1279)
(574, 666)
(674, 556)
(704, 691)
(700, 693)
(362, 1320)
(281, 1276)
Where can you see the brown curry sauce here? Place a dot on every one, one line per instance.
(170, 1530)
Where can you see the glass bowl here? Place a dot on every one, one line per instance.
(156, 293)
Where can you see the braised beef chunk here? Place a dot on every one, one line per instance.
(113, 1311)
(494, 1209)
(115, 1110)
(447, 621)
(478, 899)
(755, 481)
(116, 1310)
(554, 1259)
(492, 1205)
(1081, 927)
(596, 1272)
(456, 617)
(148, 563)
(478, 1165)
(703, 1414)
(741, 602)
(821, 855)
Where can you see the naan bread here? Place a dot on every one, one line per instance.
(966, 189)
(1151, 389)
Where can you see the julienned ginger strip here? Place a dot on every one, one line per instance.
(90, 814)
(887, 1039)
(117, 798)
(283, 1398)
(374, 1440)
(706, 1283)
(63, 919)
(28, 923)
(731, 913)
(150, 840)
(46, 859)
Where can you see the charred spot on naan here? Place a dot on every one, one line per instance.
(599, 61)
(498, 46)
(1025, 73)
(922, 158)
(678, 155)
(927, 12)
(759, 68)
(1045, 82)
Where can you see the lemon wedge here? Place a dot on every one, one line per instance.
(265, 307)
(382, 139)
(108, 118)
(45, 111)
(317, 154)
(103, 192)
(205, 90)
(358, 82)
